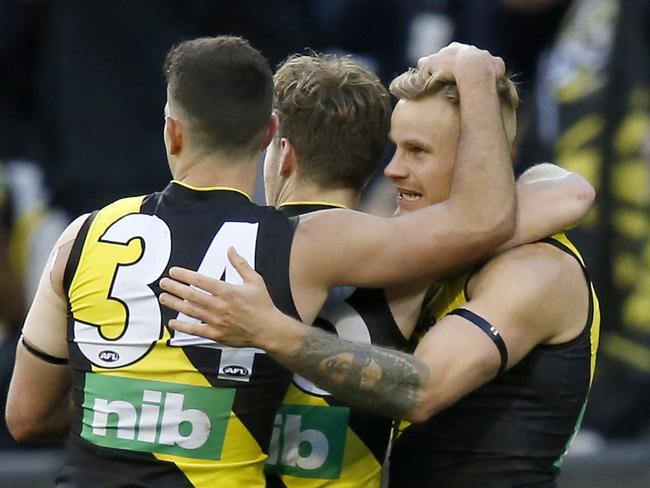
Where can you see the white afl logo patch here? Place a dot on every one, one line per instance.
(235, 371)
(109, 356)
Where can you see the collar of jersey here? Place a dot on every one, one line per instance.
(212, 188)
(309, 202)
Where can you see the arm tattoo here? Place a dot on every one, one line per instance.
(379, 379)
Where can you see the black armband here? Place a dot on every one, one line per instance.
(489, 329)
(43, 356)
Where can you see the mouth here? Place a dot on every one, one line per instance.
(408, 196)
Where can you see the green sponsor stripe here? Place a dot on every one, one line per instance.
(309, 441)
(152, 416)
(558, 462)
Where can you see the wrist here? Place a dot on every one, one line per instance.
(283, 334)
(476, 72)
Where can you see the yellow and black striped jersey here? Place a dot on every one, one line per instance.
(515, 429)
(156, 407)
(319, 441)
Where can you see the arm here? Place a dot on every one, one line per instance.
(532, 294)
(38, 405)
(549, 199)
(373, 251)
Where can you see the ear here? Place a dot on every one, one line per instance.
(287, 158)
(270, 131)
(174, 135)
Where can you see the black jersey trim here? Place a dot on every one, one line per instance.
(43, 356)
(470, 275)
(590, 306)
(75, 253)
(489, 329)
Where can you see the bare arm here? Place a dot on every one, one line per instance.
(343, 247)
(532, 294)
(550, 199)
(38, 406)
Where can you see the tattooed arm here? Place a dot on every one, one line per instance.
(379, 379)
(382, 380)
(532, 294)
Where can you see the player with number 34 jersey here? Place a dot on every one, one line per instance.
(146, 392)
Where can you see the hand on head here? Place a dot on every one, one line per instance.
(456, 58)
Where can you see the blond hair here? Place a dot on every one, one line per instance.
(415, 84)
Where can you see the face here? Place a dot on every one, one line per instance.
(426, 134)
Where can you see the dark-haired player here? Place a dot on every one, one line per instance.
(506, 351)
(156, 408)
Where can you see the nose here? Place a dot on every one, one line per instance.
(396, 169)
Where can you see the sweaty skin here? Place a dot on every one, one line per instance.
(317, 262)
(453, 358)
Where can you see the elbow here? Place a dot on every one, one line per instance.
(425, 411)
(584, 196)
(22, 427)
(19, 430)
(429, 404)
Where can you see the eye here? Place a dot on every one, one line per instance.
(415, 150)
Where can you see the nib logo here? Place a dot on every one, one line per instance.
(308, 441)
(151, 416)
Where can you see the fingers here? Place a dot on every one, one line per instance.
(499, 66)
(195, 330)
(242, 267)
(186, 307)
(211, 285)
(448, 59)
(186, 292)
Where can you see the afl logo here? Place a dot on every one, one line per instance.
(235, 371)
(109, 356)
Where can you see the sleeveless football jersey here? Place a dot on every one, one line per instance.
(154, 407)
(319, 441)
(514, 430)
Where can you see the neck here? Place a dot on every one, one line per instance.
(343, 197)
(212, 170)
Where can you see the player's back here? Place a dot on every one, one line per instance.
(347, 445)
(514, 430)
(154, 408)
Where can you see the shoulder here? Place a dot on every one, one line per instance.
(536, 266)
(61, 253)
(542, 285)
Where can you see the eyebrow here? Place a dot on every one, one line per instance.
(417, 143)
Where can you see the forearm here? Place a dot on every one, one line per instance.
(482, 191)
(378, 379)
(39, 405)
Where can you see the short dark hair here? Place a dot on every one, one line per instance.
(336, 113)
(225, 86)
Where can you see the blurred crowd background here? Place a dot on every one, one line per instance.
(82, 92)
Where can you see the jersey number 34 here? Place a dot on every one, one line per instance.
(131, 286)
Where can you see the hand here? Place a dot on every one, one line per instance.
(236, 315)
(456, 58)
